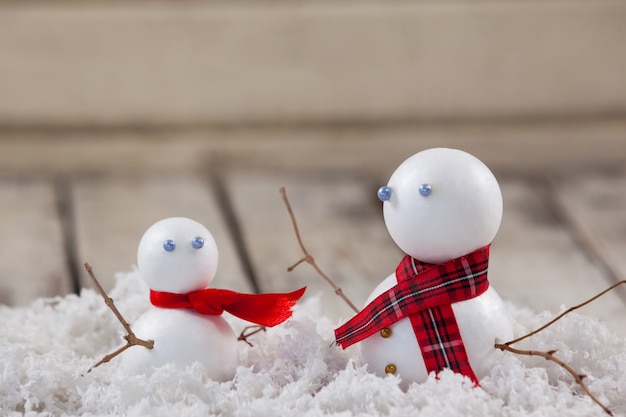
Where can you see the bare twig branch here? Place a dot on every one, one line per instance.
(250, 331)
(549, 355)
(566, 312)
(108, 357)
(307, 256)
(131, 339)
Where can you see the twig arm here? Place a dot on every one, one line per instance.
(250, 331)
(308, 258)
(566, 312)
(108, 357)
(549, 355)
(131, 339)
(108, 300)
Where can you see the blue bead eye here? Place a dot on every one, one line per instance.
(384, 193)
(197, 242)
(425, 190)
(169, 245)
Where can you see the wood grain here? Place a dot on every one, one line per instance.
(157, 63)
(32, 258)
(595, 204)
(342, 227)
(113, 213)
(538, 264)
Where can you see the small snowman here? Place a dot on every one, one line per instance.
(177, 258)
(442, 207)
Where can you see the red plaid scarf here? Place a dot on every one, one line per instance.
(264, 309)
(424, 294)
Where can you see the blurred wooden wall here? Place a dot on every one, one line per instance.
(90, 86)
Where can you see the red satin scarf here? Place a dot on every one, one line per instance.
(264, 309)
(424, 294)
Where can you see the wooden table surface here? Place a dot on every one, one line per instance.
(562, 239)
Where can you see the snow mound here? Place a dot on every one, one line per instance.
(293, 369)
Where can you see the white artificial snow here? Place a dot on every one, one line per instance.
(293, 370)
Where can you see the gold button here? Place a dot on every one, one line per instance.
(390, 369)
(386, 332)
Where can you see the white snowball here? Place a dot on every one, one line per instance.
(185, 268)
(481, 321)
(183, 337)
(462, 213)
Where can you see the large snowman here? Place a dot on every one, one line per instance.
(177, 257)
(443, 208)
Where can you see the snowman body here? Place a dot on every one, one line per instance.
(184, 337)
(178, 255)
(440, 204)
(481, 320)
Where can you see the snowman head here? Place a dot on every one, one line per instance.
(441, 204)
(177, 255)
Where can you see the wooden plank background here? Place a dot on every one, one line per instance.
(111, 215)
(33, 257)
(538, 260)
(199, 63)
(114, 116)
